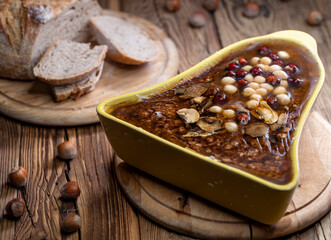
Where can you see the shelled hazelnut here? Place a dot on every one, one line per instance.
(314, 18)
(210, 5)
(66, 150)
(15, 208)
(18, 176)
(172, 5)
(71, 223)
(70, 191)
(197, 20)
(251, 9)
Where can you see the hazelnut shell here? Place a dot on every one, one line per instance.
(251, 9)
(70, 191)
(71, 223)
(314, 18)
(18, 176)
(172, 5)
(66, 150)
(210, 5)
(197, 20)
(15, 208)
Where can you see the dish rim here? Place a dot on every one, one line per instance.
(294, 36)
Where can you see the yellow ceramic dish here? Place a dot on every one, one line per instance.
(230, 187)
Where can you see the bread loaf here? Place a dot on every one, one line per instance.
(28, 28)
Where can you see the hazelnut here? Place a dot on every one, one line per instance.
(254, 85)
(247, 92)
(18, 176)
(70, 191)
(283, 55)
(197, 20)
(15, 208)
(255, 60)
(66, 150)
(249, 77)
(227, 81)
(215, 109)
(262, 91)
(210, 5)
(283, 99)
(230, 89)
(71, 223)
(231, 127)
(251, 9)
(252, 104)
(172, 5)
(229, 113)
(247, 68)
(314, 18)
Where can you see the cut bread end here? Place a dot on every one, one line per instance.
(75, 90)
(127, 43)
(67, 62)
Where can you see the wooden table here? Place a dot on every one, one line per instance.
(104, 210)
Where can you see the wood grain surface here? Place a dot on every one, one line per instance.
(186, 213)
(105, 211)
(31, 101)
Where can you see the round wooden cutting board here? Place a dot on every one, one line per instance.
(191, 215)
(31, 101)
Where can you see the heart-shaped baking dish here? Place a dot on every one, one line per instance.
(234, 188)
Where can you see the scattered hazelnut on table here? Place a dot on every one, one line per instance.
(71, 223)
(70, 191)
(15, 208)
(251, 9)
(172, 5)
(66, 150)
(314, 18)
(210, 5)
(197, 20)
(18, 176)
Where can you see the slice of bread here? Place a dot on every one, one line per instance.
(67, 62)
(127, 43)
(75, 90)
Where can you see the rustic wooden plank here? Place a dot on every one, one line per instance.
(46, 176)
(110, 4)
(152, 231)
(193, 44)
(325, 226)
(104, 211)
(10, 133)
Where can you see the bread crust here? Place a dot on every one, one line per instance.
(22, 21)
(75, 90)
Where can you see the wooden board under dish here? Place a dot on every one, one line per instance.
(31, 101)
(186, 213)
